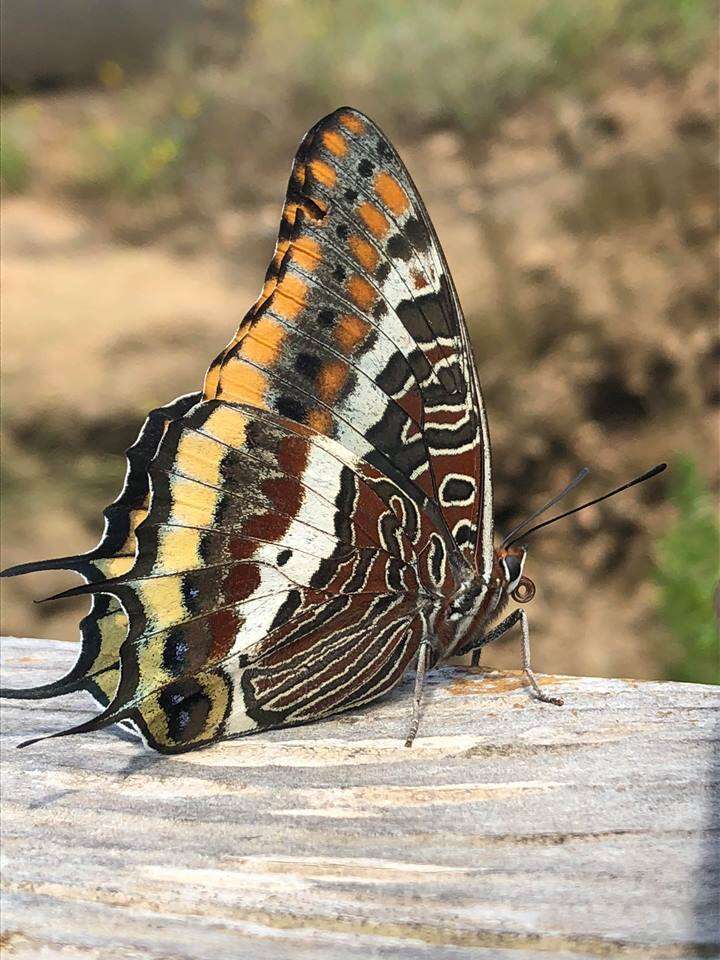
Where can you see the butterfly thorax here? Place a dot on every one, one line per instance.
(477, 603)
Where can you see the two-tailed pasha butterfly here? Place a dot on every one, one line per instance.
(319, 518)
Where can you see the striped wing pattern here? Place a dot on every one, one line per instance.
(104, 628)
(303, 518)
(359, 331)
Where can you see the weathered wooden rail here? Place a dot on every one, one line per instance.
(510, 830)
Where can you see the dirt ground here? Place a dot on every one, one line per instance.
(583, 245)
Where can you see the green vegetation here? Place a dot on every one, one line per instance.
(675, 32)
(458, 62)
(14, 163)
(687, 574)
(140, 147)
(411, 63)
(132, 161)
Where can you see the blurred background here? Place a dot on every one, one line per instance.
(567, 153)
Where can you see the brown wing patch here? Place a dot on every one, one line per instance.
(364, 252)
(320, 420)
(419, 279)
(330, 381)
(324, 173)
(335, 142)
(374, 219)
(352, 122)
(350, 331)
(391, 193)
(362, 293)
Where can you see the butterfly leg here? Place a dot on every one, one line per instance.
(420, 673)
(507, 624)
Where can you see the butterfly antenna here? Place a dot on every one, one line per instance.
(551, 503)
(626, 486)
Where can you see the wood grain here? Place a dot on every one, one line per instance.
(510, 830)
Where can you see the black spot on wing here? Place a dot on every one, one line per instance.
(289, 606)
(325, 572)
(398, 247)
(464, 533)
(417, 234)
(191, 586)
(308, 364)
(457, 490)
(382, 272)
(395, 375)
(186, 707)
(393, 575)
(389, 530)
(436, 559)
(447, 438)
(384, 150)
(291, 407)
(175, 652)
(388, 436)
(254, 435)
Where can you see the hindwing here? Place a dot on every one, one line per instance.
(104, 629)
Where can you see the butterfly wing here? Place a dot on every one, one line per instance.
(249, 553)
(327, 487)
(359, 317)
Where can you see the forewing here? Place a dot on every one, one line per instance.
(358, 331)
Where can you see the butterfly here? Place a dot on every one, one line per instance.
(318, 518)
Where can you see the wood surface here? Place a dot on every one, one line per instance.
(510, 830)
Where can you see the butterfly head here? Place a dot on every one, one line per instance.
(509, 565)
(476, 599)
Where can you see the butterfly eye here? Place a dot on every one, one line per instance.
(513, 569)
(524, 591)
